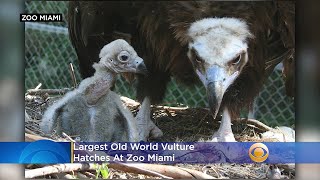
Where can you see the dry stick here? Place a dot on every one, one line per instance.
(68, 137)
(29, 131)
(68, 167)
(38, 87)
(254, 122)
(72, 175)
(88, 174)
(49, 91)
(82, 176)
(147, 169)
(170, 108)
(206, 168)
(31, 137)
(138, 169)
(59, 168)
(172, 171)
(64, 176)
(73, 76)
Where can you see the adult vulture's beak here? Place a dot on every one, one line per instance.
(218, 80)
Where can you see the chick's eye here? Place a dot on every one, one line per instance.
(124, 57)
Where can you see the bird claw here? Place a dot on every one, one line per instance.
(148, 130)
(219, 137)
(155, 133)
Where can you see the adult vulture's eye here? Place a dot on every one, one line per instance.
(236, 60)
(195, 56)
(198, 59)
(123, 56)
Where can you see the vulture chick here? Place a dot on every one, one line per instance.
(231, 47)
(93, 111)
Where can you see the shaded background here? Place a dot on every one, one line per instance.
(12, 79)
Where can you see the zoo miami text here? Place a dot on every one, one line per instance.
(41, 18)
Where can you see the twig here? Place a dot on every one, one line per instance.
(31, 137)
(88, 174)
(214, 170)
(73, 76)
(58, 168)
(254, 122)
(136, 169)
(174, 172)
(81, 175)
(170, 108)
(49, 91)
(38, 87)
(134, 103)
(171, 171)
(68, 137)
(29, 131)
(65, 176)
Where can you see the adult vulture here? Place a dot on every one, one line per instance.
(231, 47)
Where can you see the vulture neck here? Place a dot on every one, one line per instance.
(98, 85)
(104, 75)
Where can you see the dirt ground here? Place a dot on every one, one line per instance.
(178, 124)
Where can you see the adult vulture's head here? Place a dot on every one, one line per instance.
(218, 52)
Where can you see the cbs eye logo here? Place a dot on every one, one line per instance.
(258, 152)
(45, 151)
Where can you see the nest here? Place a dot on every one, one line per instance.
(178, 124)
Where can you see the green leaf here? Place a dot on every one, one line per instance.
(104, 171)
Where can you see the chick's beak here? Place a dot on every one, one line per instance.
(140, 66)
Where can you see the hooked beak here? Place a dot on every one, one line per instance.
(140, 66)
(217, 82)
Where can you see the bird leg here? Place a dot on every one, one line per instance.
(146, 127)
(224, 133)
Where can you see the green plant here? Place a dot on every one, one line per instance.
(102, 170)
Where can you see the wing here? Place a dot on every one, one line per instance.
(281, 41)
(52, 115)
(78, 32)
(287, 31)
